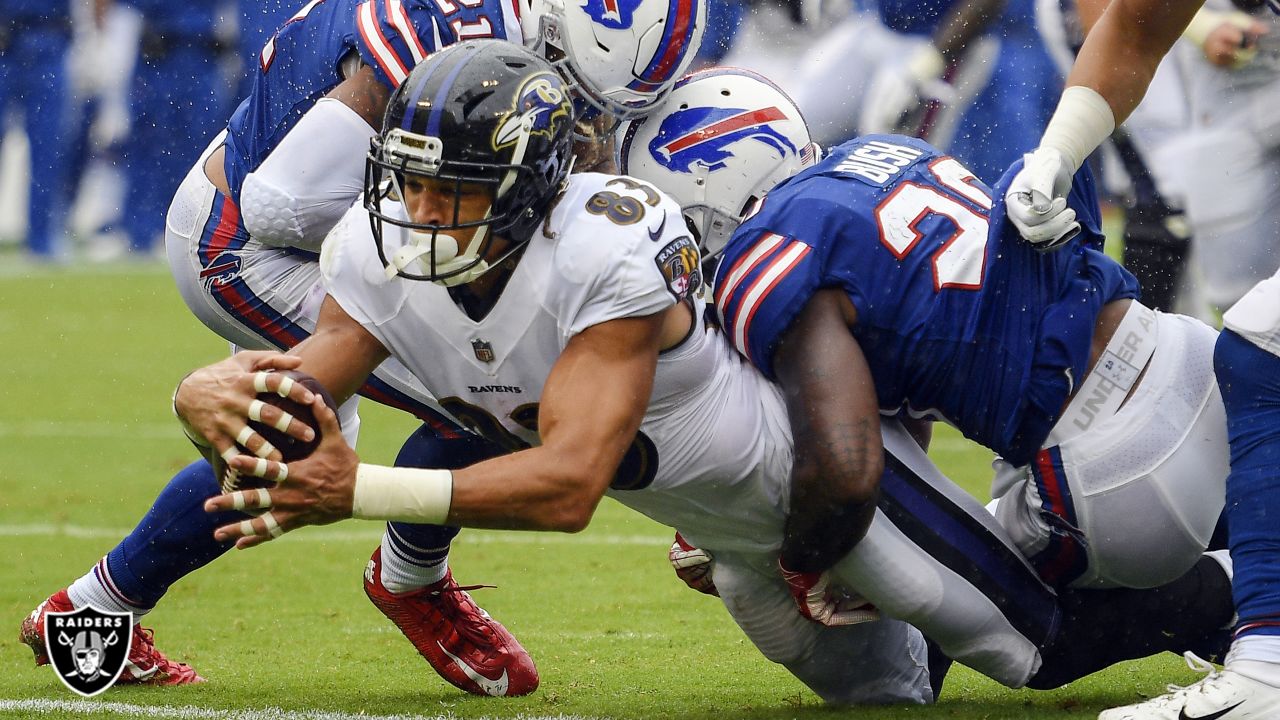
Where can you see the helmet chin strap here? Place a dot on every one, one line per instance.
(444, 253)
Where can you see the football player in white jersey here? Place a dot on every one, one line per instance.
(562, 319)
(243, 234)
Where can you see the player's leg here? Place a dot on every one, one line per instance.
(1161, 457)
(151, 113)
(260, 297)
(408, 580)
(1247, 359)
(1102, 627)
(1231, 207)
(936, 559)
(47, 97)
(173, 539)
(869, 663)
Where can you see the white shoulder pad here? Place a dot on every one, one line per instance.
(354, 275)
(621, 250)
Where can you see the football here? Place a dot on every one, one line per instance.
(290, 447)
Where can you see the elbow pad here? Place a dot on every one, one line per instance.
(309, 180)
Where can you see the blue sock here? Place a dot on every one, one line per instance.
(1250, 381)
(173, 539)
(414, 555)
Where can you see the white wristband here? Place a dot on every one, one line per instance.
(401, 493)
(1081, 123)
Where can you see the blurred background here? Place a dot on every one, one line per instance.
(104, 105)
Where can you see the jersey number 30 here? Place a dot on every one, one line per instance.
(961, 258)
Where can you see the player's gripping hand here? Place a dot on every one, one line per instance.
(896, 97)
(1228, 39)
(693, 566)
(316, 490)
(821, 603)
(1037, 200)
(216, 402)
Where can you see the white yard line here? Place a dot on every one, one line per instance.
(61, 708)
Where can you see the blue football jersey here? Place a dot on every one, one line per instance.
(300, 63)
(959, 318)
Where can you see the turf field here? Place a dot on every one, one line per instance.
(88, 359)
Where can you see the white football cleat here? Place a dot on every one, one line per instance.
(1219, 695)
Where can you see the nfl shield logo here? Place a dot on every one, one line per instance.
(88, 647)
(484, 351)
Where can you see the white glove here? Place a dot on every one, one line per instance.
(898, 90)
(693, 566)
(1037, 200)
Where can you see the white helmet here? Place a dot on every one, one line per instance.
(724, 138)
(622, 56)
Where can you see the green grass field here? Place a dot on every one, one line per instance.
(88, 359)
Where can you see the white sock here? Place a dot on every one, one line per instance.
(96, 589)
(400, 574)
(1256, 657)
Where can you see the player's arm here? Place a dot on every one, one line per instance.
(1226, 37)
(365, 94)
(1123, 49)
(963, 23)
(898, 91)
(835, 422)
(1110, 76)
(215, 402)
(592, 405)
(835, 478)
(301, 190)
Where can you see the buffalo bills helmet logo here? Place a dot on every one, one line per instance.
(704, 135)
(613, 14)
(541, 105)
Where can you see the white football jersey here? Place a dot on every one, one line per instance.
(713, 455)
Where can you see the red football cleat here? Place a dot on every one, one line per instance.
(146, 665)
(465, 646)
